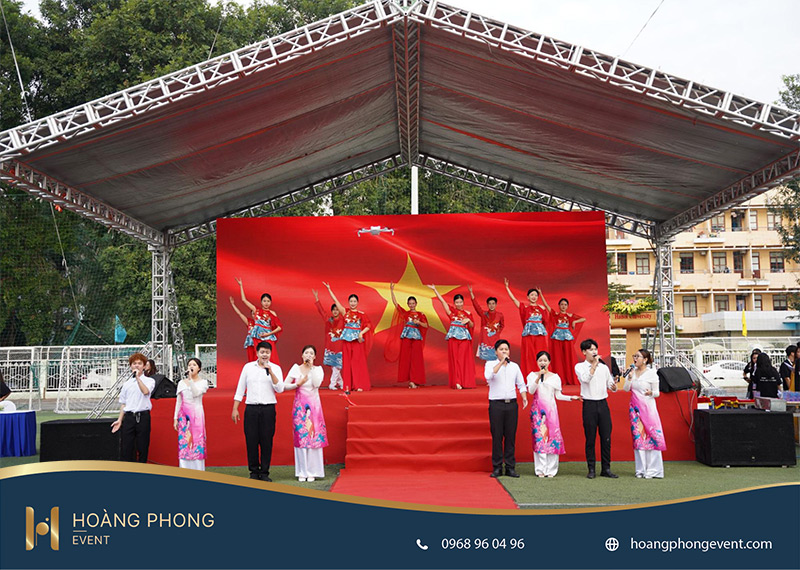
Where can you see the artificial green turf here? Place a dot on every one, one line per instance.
(682, 479)
(569, 489)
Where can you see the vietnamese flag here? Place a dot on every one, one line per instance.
(563, 253)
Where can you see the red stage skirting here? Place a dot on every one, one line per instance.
(434, 427)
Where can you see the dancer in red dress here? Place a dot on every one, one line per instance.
(566, 326)
(492, 324)
(267, 324)
(334, 324)
(460, 363)
(535, 322)
(357, 339)
(409, 329)
(249, 346)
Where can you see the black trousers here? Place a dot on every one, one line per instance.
(259, 429)
(597, 417)
(135, 435)
(503, 423)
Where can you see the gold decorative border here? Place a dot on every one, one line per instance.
(169, 471)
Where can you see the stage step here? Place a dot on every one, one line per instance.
(415, 428)
(421, 462)
(420, 437)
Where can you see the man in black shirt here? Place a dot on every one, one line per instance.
(788, 366)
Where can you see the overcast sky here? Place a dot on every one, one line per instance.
(743, 46)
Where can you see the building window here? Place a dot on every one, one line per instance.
(753, 220)
(718, 223)
(780, 303)
(756, 261)
(719, 262)
(776, 261)
(687, 262)
(772, 220)
(738, 261)
(721, 303)
(690, 306)
(642, 264)
(741, 302)
(737, 221)
(757, 302)
(622, 263)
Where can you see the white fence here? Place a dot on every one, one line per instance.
(79, 376)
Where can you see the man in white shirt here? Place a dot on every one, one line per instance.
(134, 414)
(595, 379)
(504, 378)
(261, 380)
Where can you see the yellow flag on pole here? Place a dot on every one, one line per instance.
(744, 324)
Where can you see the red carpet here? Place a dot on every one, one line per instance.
(470, 490)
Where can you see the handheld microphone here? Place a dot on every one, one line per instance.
(628, 371)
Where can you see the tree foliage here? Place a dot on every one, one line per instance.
(63, 279)
(787, 200)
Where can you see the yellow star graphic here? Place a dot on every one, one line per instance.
(409, 285)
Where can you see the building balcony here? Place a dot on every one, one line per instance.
(705, 239)
(619, 242)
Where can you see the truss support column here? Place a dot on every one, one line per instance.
(165, 319)
(666, 301)
(405, 36)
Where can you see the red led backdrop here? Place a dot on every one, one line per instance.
(563, 253)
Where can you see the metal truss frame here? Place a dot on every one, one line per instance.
(612, 70)
(34, 182)
(532, 195)
(757, 183)
(197, 79)
(666, 301)
(165, 319)
(405, 46)
(293, 198)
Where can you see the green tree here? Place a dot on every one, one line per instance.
(83, 50)
(787, 200)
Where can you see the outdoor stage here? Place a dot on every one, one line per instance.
(431, 428)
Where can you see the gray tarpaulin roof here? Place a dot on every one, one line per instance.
(433, 85)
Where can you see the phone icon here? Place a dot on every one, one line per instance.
(422, 546)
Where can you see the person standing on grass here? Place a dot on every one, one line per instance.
(134, 414)
(504, 379)
(596, 380)
(260, 380)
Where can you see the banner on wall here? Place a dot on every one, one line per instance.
(561, 253)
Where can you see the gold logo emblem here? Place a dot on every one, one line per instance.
(34, 531)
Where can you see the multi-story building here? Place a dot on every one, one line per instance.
(731, 263)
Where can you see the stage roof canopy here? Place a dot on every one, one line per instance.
(386, 85)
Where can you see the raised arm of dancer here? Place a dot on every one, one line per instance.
(442, 301)
(510, 294)
(247, 303)
(238, 312)
(334, 299)
(394, 300)
(475, 303)
(541, 296)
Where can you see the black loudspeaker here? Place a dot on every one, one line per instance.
(744, 438)
(164, 389)
(79, 439)
(674, 378)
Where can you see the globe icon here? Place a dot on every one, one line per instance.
(612, 544)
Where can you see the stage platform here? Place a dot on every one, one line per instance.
(432, 427)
